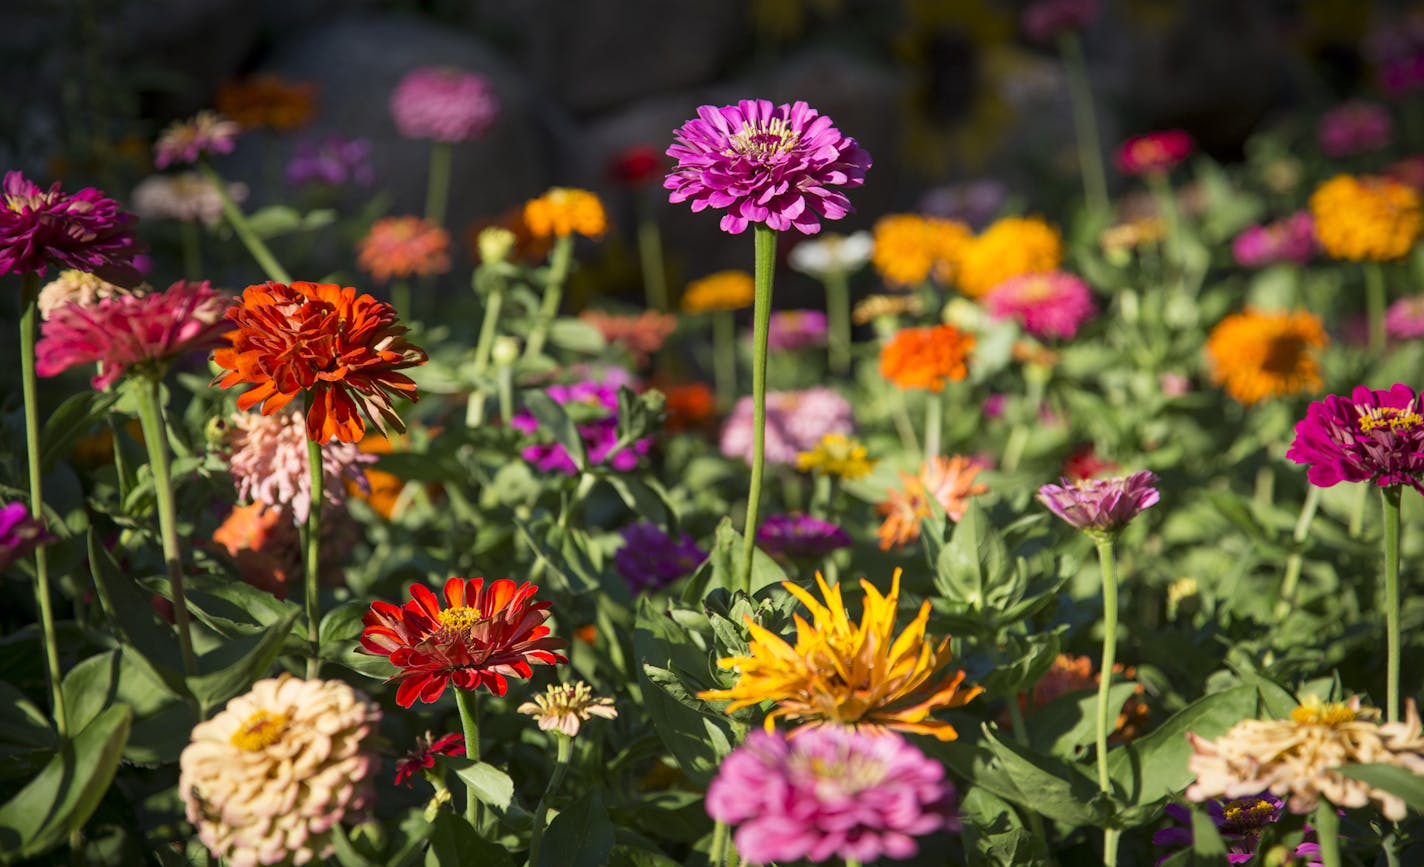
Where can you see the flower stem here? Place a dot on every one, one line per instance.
(235, 218)
(718, 846)
(541, 812)
(1390, 497)
(1297, 559)
(1161, 189)
(192, 249)
(1357, 517)
(1109, 569)
(489, 327)
(1374, 304)
(838, 318)
(155, 438)
(437, 191)
(29, 319)
(468, 702)
(1327, 833)
(400, 298)
(559, 261)
(765, 269)
(1085, 124)
(313, 546)
(934, 423)
(724, 358)
(650, 257)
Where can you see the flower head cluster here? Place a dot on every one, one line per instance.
(641, 335)
(565, 211)
(268, 780)
(594, 409)
(1255, 355)
(187, 196)
(20, 533)
(1289, 240)
(185, 141)
(445, 105)
(926, 357)
(849, 674)
(795, 422)
(1052, 304)
(837, 455)
(1153, 152)
(333, 160)
(85, 231)
(268, 102)
(1101, 506)
(650, 559)
(422, 757)
(790, 330)
(1008, 248)
(77, 287)
(830, 793)
(565, 707)
(946, 481)
(132, 332)
(341, 349)
(403, 247)
(800, 537)
(1240, 822)
(1354, 128)
(831, 254)
(910, 248)
(1118, 241)
(1366, 218)
(1404, 320)
(267, 457)
(1046, 20)
(1299, 759)
(782, 166)
(483, 635)
(723, 290)
(1372, 436)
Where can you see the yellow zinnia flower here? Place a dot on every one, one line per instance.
(1368, 218)
(909, 248)
(836, 455)
(564, 211)
(848, 674)
(1010, 247)
(724, 290)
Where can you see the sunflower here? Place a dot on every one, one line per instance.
(1255, 355)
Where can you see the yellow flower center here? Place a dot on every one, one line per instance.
(1248, 811)
(461, 618)
(1324, 713)
(766, 141)
(261, 730)
(1393, 417)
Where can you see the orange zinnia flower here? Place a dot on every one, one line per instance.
(404, 247)
(340, 349)
(267, 101)
(1256, 355)
(926, 357)
(950, 481)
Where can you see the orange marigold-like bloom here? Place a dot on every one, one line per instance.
(268, 101)
(909, 248)
(404, 247)
(564, 211)
(689, 405)
(1367, 218)
(949, 481)
(723, 290)
(1254, 355)
(926, 357)
(1010, 247)
(340, 349)
(483, 635)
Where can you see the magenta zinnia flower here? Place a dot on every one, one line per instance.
(1404, 320)
(800, 536)
(1289, 239)
(132, 331)
(1051, 304)
(1353, 128)
(795, 423)
(1371, 436)
(830, 792)
(796, 329)
(593, 406)
(1099, 506)
(185, 141)
(775, 165)
(447, 105)
(86, 231)
(19, 533)
(651, 559)
(1154, 152)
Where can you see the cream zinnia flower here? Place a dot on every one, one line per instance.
(267, 779)
(77, 287)
(1300, 758)
(565, 706)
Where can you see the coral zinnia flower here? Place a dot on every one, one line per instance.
(950, 481)
(85, 231)
(926, 357)
(722, 290)
(1256, 355)
(849, 674)
(1366, 218)
(340, 348)
(1010, 247)
(909, 248)
(484, 635)
(1371, 436)
(564, 211)
(268, 101)
(404, 247)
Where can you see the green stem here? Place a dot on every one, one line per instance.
(313, 546)
(724, 358)
(541, 812)
(1109, 569)
(838, 319)
(765, 270)
(1111, 836)
(235, 218)
(1375, 304)
(1161, 189)
(506, 392)
(155, 438)
(1390, 497)
(851, 862)
(934, 423)
(1085, 124)
(29, 319)
(559, 261)
(400, 298)
(1297, 558)
(489, 327)
(718, 846)
(900, 413)
(437, 192)
(1327, 833)
(469, 705)
(192, 249)
(650, 257)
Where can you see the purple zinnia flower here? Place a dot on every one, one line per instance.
(1289, 239)
(333, 160)
(447, 105)
(599, 433)
(1371, 436)
(1353, 128)
(86, 231)
(185, 141)
(1405, 318)
(763, 164)
(800, 536)
(796, 329)
(1099, 506)
(651, 559)
(1051, 304)
(1240, 821)
(795, 423)
(830, 792)
(19, 533)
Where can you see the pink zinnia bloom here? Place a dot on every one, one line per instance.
(1372, 435)
(85, 231)
(1051, 304)
(775, 165)
(267, 457)
(1405, 319)
(830, 792)
(132, 331)
(795, 423)
(186, 140)
(448, 105)
(1289, 239)
(1154, 152)
(1356, 127)
(796, 329)
(20, 533)
(1046, 20)
(1099, 506)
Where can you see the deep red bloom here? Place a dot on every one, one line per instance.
(85, 231)
(1154, 152)
(483, 636)
(422, 758)
(636, 165)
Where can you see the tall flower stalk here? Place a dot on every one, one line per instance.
(1105, 716)
(312, 542)
(250, 239)
(468, 701)
(560, 214)
(765, 246)
(1390, 498)
(1085, 123)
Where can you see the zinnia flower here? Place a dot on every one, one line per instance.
(723, 290)
(1101, 506)
(1366, 218)
(1354, 128)
(564, 211)
(268, 780)
(689, 405)
(780, 165)
(948, 481)
(565, 707)
(267, 457)
(266, 547)
(790, 330)
(187, 196)
(485, 634)
(795, 422)
(847, 674)
(837, 455)
(1239, 822)
(1153, 152)
(874, 307)
(1289, 239)
(594, 407)
(651, 559)
(19, 533)
(831, 254)
(142, 332)
(339, 348)
(77, 287)
(1084, 463)
(267, 101)
(85, 231)
(1254, 355)
(1299, 759)
(422, 757)
(446, 105)
(1054, 304)
(333, 160)
(402, 247)
(1076, 674)
(909, 248)
(800, 536)
(926, 357)
(1046, 20)
(1010, 247)
(185, 141)
(641, 336)
(1119, 240)
(1373, 436)
(1404, 320)
(828, 793)
(636, 165)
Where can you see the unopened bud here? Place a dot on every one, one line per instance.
(495, 243)
(506, 351)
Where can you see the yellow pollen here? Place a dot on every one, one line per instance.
(764, 141)
(261, 730)
(1324, 713)
(1393, 417)
(461, 618)
(1251, 810)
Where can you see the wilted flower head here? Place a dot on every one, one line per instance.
(723, 290)
(594, 408)
(947, 481)
(446, 105)
(1052, 304)
(402, 247)
(267, 456)
(1153, 152)
(187, 196)
(20, 533)
(641, 335)
(85, 231)
(910, 248)
(777, 165)
(1289, 239)
(1100, 506)
(565, 211)
(830, 793)
(185, 141)
(795, 422)
(267, 101)
(1404, 320)
(790, 330)
(1008, 248)
(1046, 20)
(267, 780)
(837, 455)
(927, 357)
(650, 559)
(422, 757)
(1366, 218)
(800, 536)
(831, 254)
(77, 287)
(1255, 355)
(332, 160)
(1372, 436)
(1240, 822)
(565, 707)
(1356, 127)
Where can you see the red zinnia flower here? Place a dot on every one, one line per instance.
(422, 758)
(340, 348)
(484, 635)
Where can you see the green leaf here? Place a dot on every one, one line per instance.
(552, 417)
(994, 835)
(1400, 782)
(71, 420)
(576, 335)
(580, 836)
(453, 841)
(645, 500)
(26, 738)
(1054, 788)
(153, 642)
(1069, 722)
(629, 856)
(1206, 837)
(974, 561)
(722, 567)
(342, 625)
(490, 785)
(91, 686)
(244, 660)
(231, 608)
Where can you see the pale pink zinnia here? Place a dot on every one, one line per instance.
(139, 332)
(1287, 240)
(777, 165)
(186, 196)
(1051, 304)
(795, 423)
(185, 141)
(267, 456)
(1356, 127)
(1101, 506)
(830, 792)
(1404, 320)
(443, 104)
(796, 329)
(86, 231)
